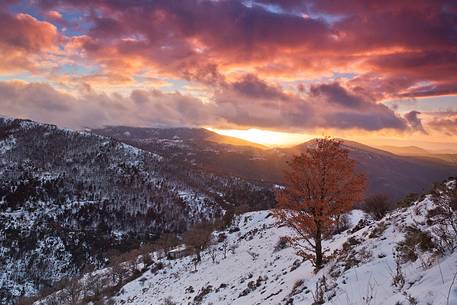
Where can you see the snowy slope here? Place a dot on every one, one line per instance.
(361, 271)
(68, 198)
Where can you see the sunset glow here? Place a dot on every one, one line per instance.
(269, 71)
(265, 137)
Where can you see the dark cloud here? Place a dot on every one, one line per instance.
(415, 74)
(252, 104)
(256, 103)
(253, 87)
(24, 32)
(365, 120)
(351, 109)
(141, 108)
(414, 121)
(335, 94)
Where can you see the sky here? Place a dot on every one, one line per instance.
(272, 71)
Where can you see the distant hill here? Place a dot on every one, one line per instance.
(397, 175)
(206, 150)
(221, 139)
(444, 155)
(387, 172)
(406, 150)
(195, 135)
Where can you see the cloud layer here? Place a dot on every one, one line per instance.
(249, 102)
(289, 65)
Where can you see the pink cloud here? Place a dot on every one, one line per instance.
(241, 53)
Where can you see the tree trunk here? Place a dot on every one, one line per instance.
(319, 257)
(338, 223)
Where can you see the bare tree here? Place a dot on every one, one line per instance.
(225, 247)
(198, 238)
(167, 241)
(377, 205)
(213, 252)
(72, 291)
(118, 269)
(444, 215)
(95, 284)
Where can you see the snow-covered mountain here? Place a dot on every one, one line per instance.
(69, 199)
(407, 257)
(72, 202)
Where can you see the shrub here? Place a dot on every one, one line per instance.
(350, 243)
(412, 300)
(398, 279)
(147, 259)
(408, 200)
(378, 230)
(297, 284)
(444, 216)
(342, 223)
(319, 292)
(414, 239)
(201, 295)
(377, 206)
(282, 243)
(168, 301)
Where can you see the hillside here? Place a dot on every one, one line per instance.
(387, 173)
(205, 150)
(69, 200)
(407, 257)
(222, 139)
(394, 175)
(406, 150)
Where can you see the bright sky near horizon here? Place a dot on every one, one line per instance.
(275, 72)
(265, 137)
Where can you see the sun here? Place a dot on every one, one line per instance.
(265, 137)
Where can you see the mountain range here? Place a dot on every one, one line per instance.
(414, 151)
(388, 173)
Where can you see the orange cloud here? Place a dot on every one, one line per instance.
(23, 39)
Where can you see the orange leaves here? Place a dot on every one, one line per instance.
(321, 185)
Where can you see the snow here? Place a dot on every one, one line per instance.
(124, 179)
(276, 272)
(7, 144)
(355, 216)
